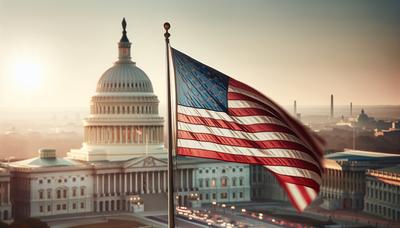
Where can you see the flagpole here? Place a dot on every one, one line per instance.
(171, 217)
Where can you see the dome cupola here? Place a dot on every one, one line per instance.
(124, 76)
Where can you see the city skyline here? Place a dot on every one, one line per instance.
(349, 53)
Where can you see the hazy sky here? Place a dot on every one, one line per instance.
(303, 50)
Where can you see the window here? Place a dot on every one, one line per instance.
(40, 194)
(233, 195)
(40, 181)
(64, 206)
(48, 181)
(58, 194)
(73, 179)
(200, 183)
(82, 191)
(241, 182)
(207, 171)
(213, 171)
(48, 208)
(65, 193)
(74, 206)
(59, 180)
(234, 181)
(200, 171)
(223, 170)
(207, 196)
(65, 180)
(213, 183)
(214, 196)
(224, 181)
(241, 194)
(224, 195)
(41, 208)
(58, 207)
(233, 170)
(241, 169)
(74, 192)
(207, 183)
(82, 205)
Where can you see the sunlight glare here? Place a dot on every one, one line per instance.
(27, 75)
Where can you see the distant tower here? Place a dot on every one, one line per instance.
(295, 108)
(351, 109)
(331, 106)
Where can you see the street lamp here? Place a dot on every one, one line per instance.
(244, 210)
(223, 206)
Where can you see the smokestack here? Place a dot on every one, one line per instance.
(331, 106)
(295, 108)
(351, 109)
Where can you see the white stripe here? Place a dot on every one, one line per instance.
(247, 104)
(236, 150)
(256, 136)
(311, 192)
(297, 196)
(252, 95)
(247, 120)
(295, 172)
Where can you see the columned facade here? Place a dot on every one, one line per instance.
(5, 195)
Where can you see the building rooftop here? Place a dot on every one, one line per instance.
(359, 155)
(38, 162)
(393, 169)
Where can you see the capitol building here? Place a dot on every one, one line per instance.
(122, 164)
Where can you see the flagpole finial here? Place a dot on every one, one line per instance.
(167, 26)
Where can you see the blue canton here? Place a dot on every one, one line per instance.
(198, 85)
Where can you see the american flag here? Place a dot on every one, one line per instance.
(221, 118)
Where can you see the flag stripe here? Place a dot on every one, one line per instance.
(237, 150)
(240, 145)
(224, 116)
(286, 173)
(257, 136)
(260, 127)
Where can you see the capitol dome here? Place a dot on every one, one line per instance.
(124, 77)
(124, 122)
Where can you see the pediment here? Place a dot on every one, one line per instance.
(142, 162)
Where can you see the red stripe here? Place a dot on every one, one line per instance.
(243, 86)
(302, 132)
(249, 112)
(239, 96)
(229, 141)
(290, 162)
(211, 122)
(304, 193)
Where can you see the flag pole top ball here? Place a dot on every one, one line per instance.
(167, 26)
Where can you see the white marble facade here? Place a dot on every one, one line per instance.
(5, 195)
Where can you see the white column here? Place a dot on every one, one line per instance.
(152, 182)
(181, 173)
(120, 134)
(115, 183)
(187, 178)
(147, 182)
(97, 184)
(131, 133)
(125, 183)
(131, 179)
(136, 183)
(120, 183)
(108, 182)
(159, 181)
(165, 181)
(126, 134)
(102, 184)
(141, 180)
(115, 134)
(8, 192)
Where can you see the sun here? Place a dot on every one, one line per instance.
(27, 74)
